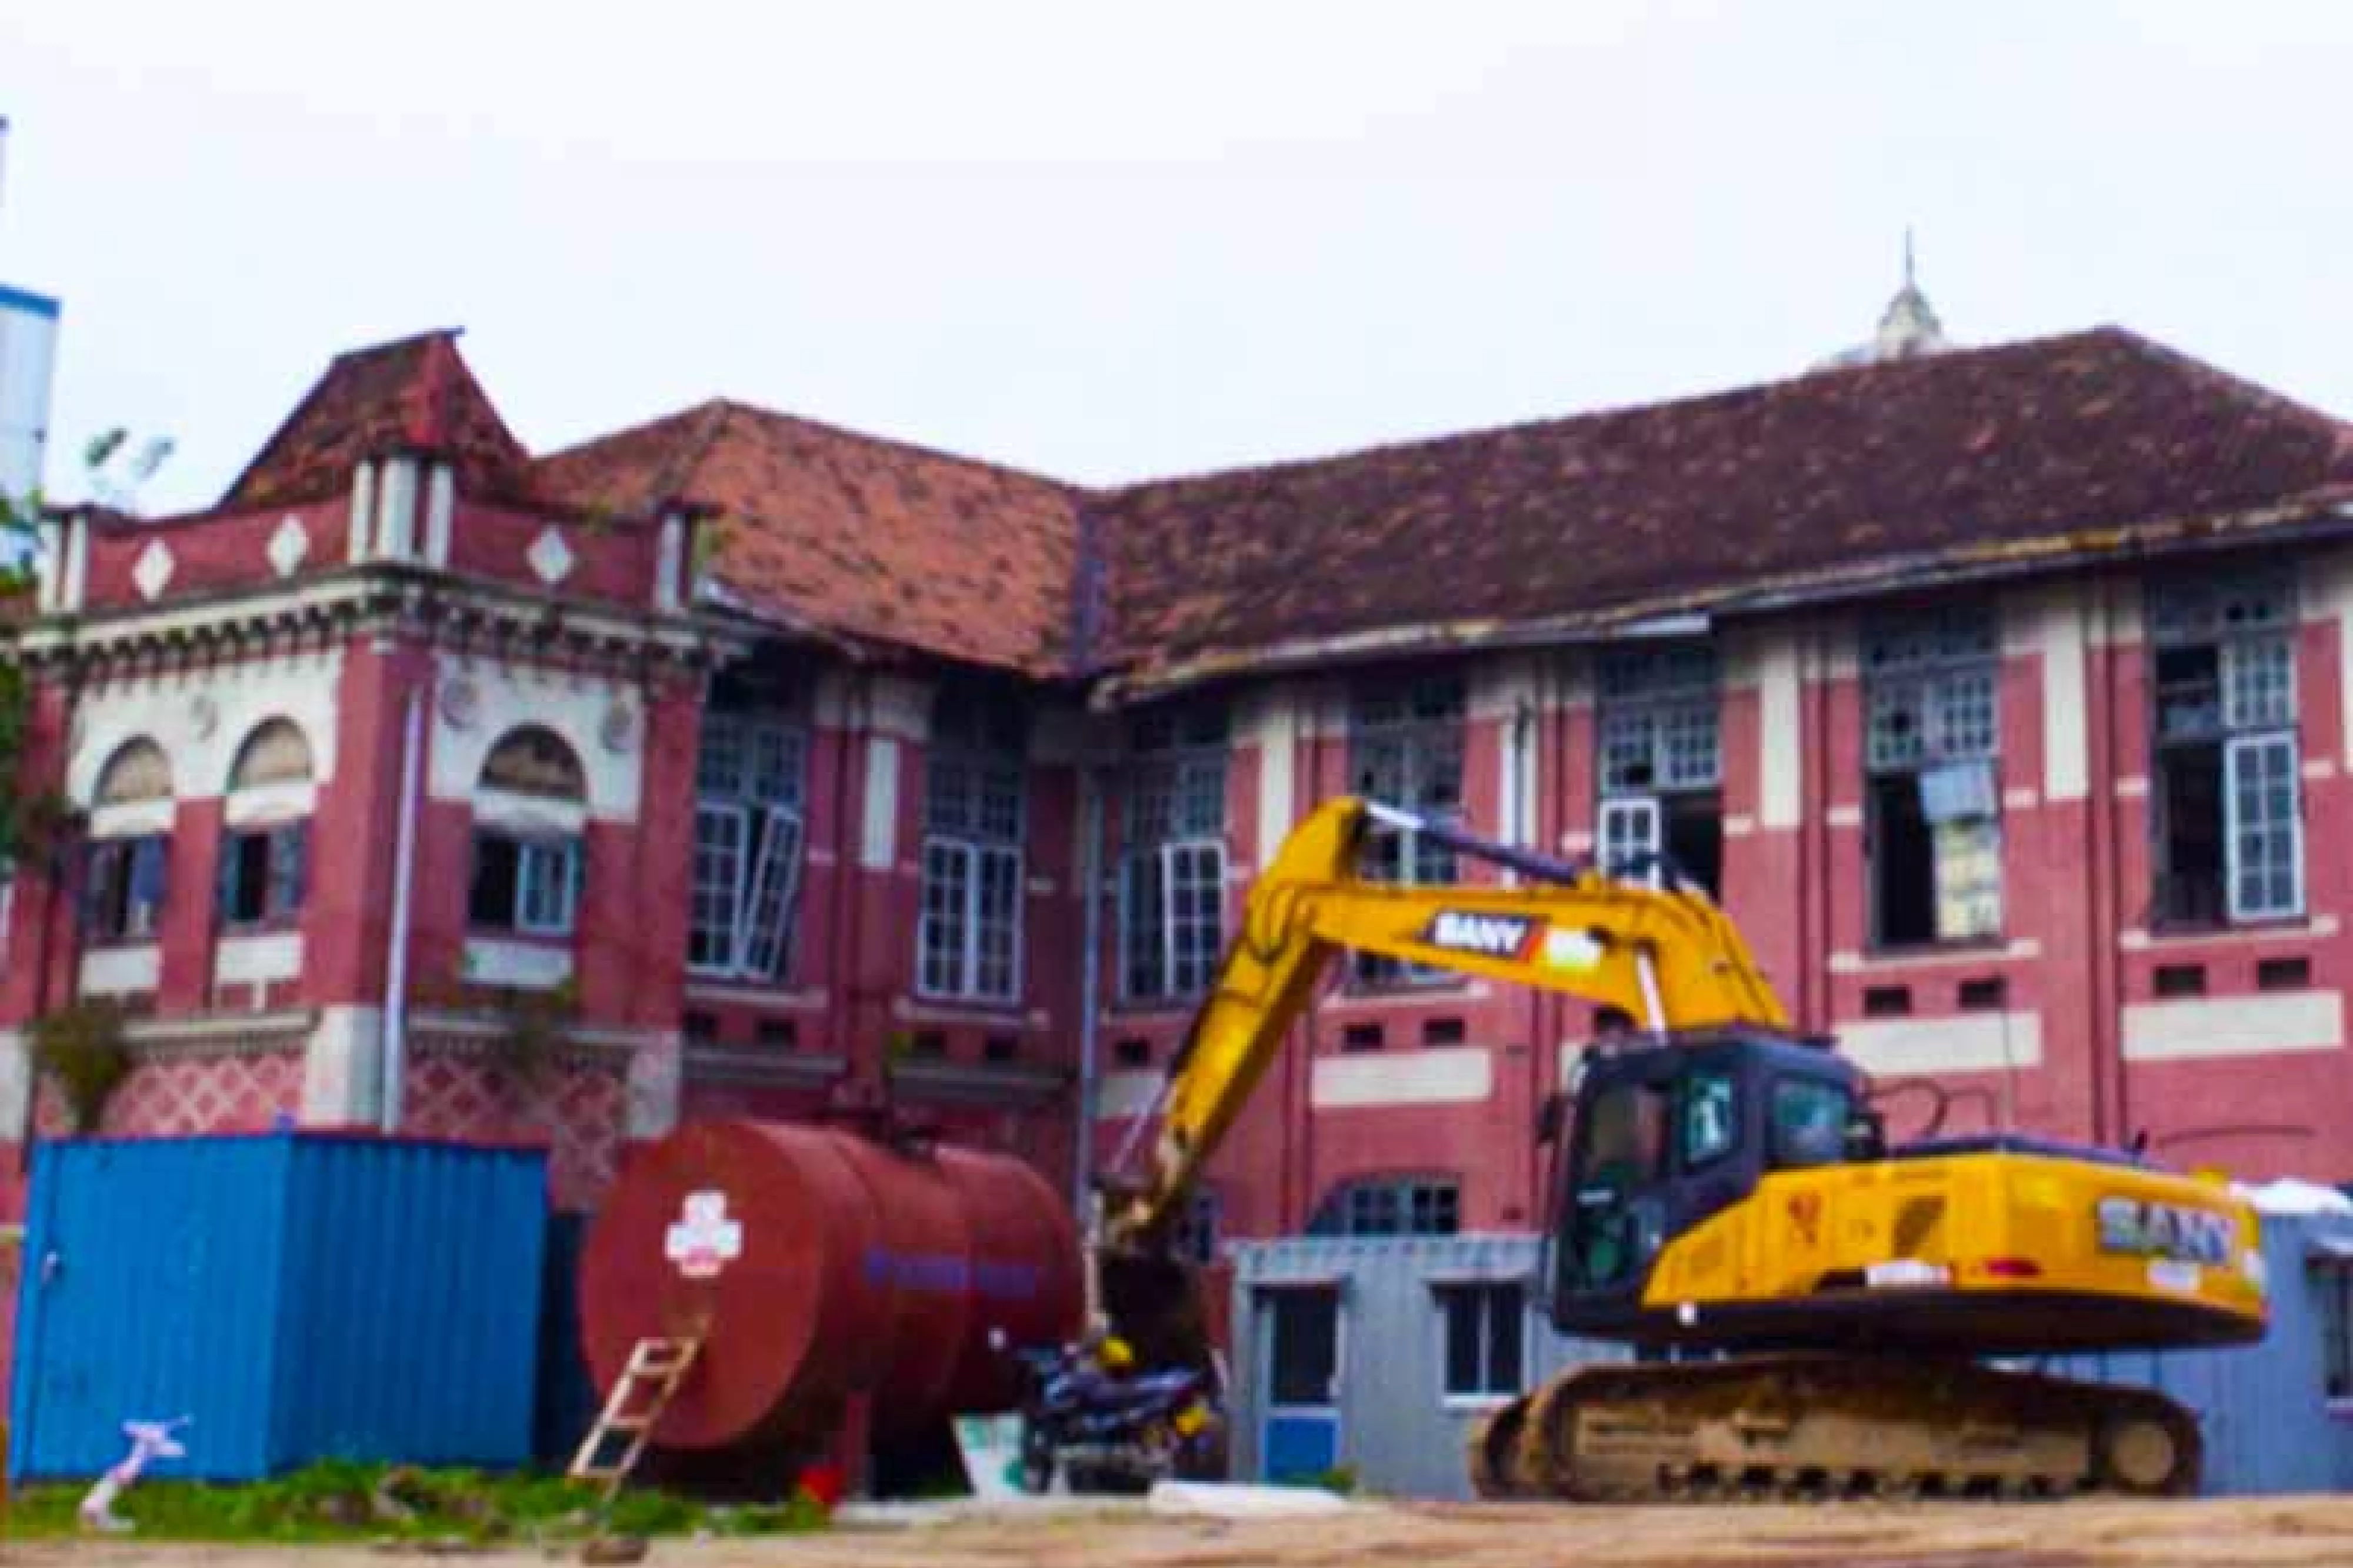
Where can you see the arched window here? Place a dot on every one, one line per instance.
(536, 761)
(1390, 1206)
(528, 864)
(123, 880)
(276, 752)
(138, 770)
(264, 865)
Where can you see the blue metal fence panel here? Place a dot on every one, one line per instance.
(297, 1296)
(413, 1276)
(149, 1291)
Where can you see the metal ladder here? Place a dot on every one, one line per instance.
(661, 1364)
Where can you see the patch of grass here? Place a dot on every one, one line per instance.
(338, 1502)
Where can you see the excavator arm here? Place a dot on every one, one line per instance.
(1667, 958)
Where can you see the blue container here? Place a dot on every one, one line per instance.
(297, 1296)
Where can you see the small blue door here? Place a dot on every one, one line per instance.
(1298, 1435)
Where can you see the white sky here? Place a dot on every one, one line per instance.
(1118, 240)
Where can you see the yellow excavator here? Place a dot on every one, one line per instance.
(1811, 1311)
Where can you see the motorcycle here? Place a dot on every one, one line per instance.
(1103, 1432)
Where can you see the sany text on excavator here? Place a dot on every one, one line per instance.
(1722, 1193)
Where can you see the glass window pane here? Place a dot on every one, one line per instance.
(1710, 1118)
(1464, 1364)
(719, 833)
(769, 906)
(1507, 1330)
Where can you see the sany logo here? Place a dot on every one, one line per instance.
(704, 1240)
(1489, 936)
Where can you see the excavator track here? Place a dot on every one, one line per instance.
(1806, 1425)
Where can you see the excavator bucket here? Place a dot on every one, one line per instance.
(1156, 1302)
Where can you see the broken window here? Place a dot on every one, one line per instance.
(1660, 764)
(1486, 1335)
(123, 887)
(748, 833)
(1932, 807)
(1404, 749)
(1171, 890)
(2225, 794)
(261, 874)
(968, 935)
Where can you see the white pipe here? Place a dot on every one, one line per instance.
(396, 983)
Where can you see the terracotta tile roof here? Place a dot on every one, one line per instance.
(415, 394)
(1880, 469)
(866, 538)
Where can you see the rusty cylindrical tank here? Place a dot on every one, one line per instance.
(817, 1263)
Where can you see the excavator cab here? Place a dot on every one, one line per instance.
(1658, 1135)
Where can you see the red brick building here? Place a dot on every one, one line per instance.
(2003, 693)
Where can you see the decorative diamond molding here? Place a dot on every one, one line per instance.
(551, 557)
(153, 571)
(288, 545)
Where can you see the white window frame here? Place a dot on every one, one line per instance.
(535, 863)
(1938, 671)
(966, 954)
(750, 772)
(1630, 824)
(1168, 924)
(2235, 826)
(1445, 1293)
(2185, 613)
(728, 940)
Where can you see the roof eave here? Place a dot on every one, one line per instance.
(2327, 515)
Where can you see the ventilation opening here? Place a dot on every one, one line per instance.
(1135, 1052)
(702, 1029)
(1987, 993)
(1360, 1037)
(2181, 980)
(782, 1034)
(999, 1049)
(2283, 973)
(928, 1043)
(1887, 1002)
(1443, 1032)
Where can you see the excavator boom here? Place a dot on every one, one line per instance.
(1655, 954)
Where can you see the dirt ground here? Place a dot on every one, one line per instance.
(2276, 1532)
